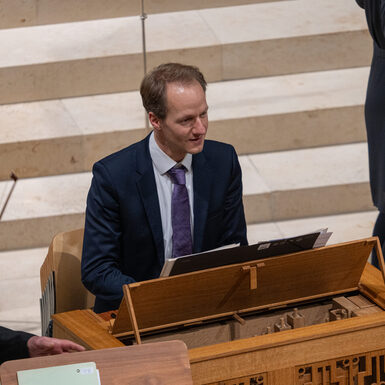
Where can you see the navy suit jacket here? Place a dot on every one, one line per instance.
(123, 238)
(13, 345)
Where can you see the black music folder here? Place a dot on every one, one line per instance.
(232, 254)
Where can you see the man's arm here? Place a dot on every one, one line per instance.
(15, 345)
(375, 17)
(100, 265)
(234, 216)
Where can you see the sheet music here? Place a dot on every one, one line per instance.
(322, 238)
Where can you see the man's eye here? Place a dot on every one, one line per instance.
(203, 114)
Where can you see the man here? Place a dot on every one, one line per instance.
(171, 194)
(16, 345)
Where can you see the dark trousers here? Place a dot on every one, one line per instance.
(379, 231)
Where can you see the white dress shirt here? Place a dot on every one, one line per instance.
(162, 163)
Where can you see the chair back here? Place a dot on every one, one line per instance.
(63, 260)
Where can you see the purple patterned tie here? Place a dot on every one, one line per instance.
(180, 213)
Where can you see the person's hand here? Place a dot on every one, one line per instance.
(46, 346)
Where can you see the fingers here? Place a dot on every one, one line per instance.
(42, 346)
(69, 346)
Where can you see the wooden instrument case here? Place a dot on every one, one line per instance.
(346, 351)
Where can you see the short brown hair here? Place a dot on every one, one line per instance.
(153, 86)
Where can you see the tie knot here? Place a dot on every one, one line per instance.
(177, 175)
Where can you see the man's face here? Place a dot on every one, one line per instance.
(184, 128)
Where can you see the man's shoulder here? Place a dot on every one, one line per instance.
(215, 145)
(216, 155)
(213, 148)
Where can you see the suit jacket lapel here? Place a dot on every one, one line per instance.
(202, 177)
(148, 192)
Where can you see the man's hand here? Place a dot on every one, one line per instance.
(46, 346)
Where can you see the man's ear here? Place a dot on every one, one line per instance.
(154, 120)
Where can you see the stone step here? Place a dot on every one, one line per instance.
(20, 289)
(306, 183)
(105, 56)
(19, 13)
(255, 115)
(277, 186)
(18, 267)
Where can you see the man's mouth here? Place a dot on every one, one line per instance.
(196, 139)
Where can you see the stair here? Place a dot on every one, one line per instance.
(19, 13)
(255, 115)
(244, 41)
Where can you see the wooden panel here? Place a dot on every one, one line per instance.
(372, 285)
(86, 328)
(163, 363)
(225, 290)
(282, 376)
(287, 349)
(255, 379)
(46, 268)
(360, 369)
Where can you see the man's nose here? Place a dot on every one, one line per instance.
(200, 126)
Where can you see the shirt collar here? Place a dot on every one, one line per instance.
(162, 161)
